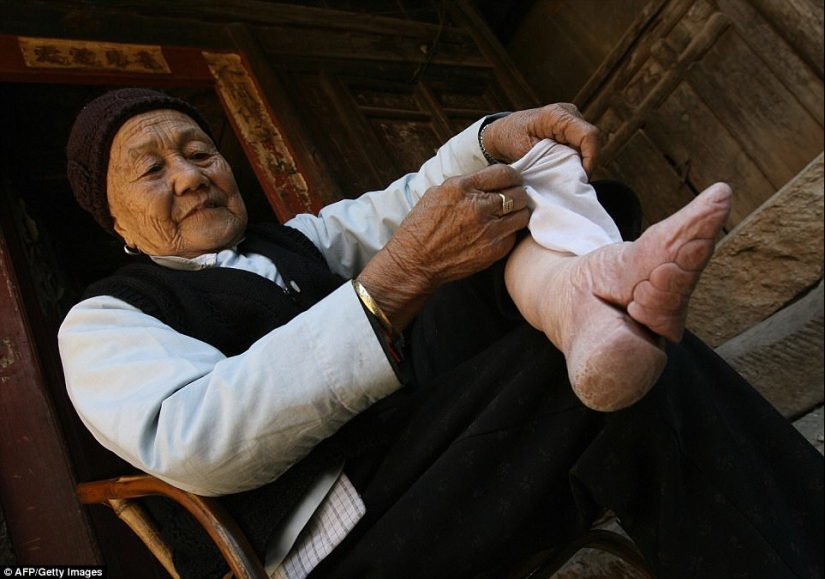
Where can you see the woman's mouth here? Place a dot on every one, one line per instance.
(202, 207)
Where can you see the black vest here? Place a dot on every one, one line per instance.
(228, 308)
(231, 309)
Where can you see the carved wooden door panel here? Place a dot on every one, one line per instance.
(711, 90)
(378, 96)
(371, 132)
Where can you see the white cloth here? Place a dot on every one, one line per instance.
(565, 214)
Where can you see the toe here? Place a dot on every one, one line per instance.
(668, 324)
(672, 278)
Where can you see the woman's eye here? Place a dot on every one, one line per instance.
(152, 170)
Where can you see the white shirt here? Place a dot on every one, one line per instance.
(179, 409)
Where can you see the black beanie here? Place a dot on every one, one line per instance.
(91, 140)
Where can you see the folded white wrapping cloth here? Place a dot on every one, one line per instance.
(566, 215)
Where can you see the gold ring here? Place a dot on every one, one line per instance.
(506, 204)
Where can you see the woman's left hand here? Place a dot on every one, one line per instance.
(510, 138)
(456, 229)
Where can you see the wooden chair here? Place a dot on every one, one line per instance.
(123, 495)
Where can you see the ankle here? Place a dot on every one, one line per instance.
(533, 277)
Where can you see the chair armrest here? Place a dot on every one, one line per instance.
(211, 515)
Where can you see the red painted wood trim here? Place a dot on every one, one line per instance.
(36, 481)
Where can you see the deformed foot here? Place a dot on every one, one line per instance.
(612, 360)
(655, 276)
(611, 310)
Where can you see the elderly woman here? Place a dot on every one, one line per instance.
(416, 421)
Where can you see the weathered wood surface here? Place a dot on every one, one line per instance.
(688, 133)
(718, 92)
(773, 128)
(787, 38)
(800, 23)
(372, 128)
(370, 46)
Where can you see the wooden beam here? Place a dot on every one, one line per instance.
(262, 12)
(373, 46)
(103, 22)
(517, 90)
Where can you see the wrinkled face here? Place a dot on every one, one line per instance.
(170, 192)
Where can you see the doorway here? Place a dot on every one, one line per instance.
(56, 249)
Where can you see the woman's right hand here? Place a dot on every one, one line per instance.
(456, 229)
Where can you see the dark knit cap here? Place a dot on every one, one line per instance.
(91, 140)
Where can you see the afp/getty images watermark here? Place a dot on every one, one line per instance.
(59, 571)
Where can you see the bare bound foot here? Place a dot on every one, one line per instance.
(611, 310)
(655, 276)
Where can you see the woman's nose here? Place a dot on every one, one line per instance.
(187, 176)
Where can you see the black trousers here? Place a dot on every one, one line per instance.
(494, 459)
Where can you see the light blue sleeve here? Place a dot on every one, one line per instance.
(351, 231)
(179, 409)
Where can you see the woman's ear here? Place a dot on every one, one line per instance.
(122, 233)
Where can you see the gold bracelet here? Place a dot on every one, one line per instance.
(374, 309)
